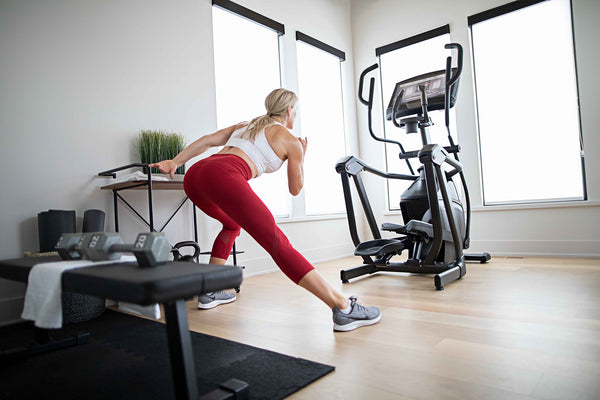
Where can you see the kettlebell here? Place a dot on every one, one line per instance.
(188, 257)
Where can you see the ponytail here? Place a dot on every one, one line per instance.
(257, 125)
(276, 104)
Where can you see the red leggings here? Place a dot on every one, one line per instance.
(218, 185)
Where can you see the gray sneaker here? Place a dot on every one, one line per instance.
(213, 299)
(358, 316)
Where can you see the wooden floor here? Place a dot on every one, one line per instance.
(515, 328)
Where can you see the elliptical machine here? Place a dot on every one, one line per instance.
(437, 226)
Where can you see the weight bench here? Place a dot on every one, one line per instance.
(169, 284)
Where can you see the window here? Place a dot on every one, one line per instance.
(322, 120)
(402, 60)
(527, 103)
(247, 69)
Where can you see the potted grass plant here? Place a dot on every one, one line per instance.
(154, 146)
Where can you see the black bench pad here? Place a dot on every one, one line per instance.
(126, 282)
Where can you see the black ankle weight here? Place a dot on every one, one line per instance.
(93, 221)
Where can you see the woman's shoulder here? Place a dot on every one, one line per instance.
(281, 140)
(279, 133)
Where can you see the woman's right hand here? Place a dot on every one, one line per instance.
(304, 143)
(166, 167)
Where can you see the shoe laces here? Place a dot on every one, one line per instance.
(355, 305)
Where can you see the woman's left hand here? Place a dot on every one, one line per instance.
(166, 167)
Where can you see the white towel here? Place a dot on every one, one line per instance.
(43, 297)
(151, 311)
(139, 176)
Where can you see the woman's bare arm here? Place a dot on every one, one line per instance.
(295, 167)
(218, 138)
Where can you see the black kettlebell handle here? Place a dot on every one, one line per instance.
(188, 243)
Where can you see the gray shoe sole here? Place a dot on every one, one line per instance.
(356, 324)
(214, 303)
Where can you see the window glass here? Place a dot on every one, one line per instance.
(322, 117)
(247, 69)
(529, 133)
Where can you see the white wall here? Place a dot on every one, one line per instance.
(79, 80)
(571, 229)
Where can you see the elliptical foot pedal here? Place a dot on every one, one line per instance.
(379, 247)
(387, 226)
(419, 228)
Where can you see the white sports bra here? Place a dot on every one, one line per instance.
(259, 151)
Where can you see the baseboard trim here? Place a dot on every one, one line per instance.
(538, 248)
(265, 265)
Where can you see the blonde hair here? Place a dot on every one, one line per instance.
(276, 104)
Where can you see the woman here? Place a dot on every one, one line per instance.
(218, 185)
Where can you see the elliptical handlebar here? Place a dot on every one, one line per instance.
(360, 85)
(395, 109)
(459, 62)
(449, 82)
(369, 104)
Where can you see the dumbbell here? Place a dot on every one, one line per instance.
(149, 248)
(69, 245)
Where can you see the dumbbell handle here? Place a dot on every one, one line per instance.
(121, 248)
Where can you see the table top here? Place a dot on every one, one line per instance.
(127, 282)
(142, 185)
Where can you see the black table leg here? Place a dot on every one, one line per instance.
(180, 349)
(195, 223)
(115, 207)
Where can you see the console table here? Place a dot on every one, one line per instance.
(149, 185)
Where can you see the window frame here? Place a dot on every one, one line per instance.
(250, 15)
